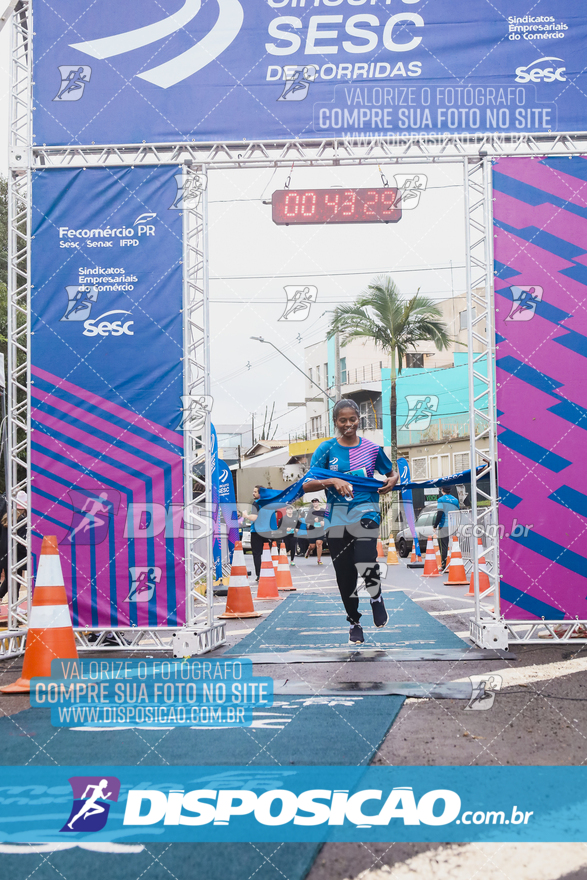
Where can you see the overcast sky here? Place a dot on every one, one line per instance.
(252, 259)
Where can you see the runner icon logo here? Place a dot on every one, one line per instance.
(74, 79)
(484, 688)
(91, 796)
(524, 302)
(190, 187)
(297, 83)
(409, 189)
(298, 302)
(421, 408)
(80, 300)
(143, 580)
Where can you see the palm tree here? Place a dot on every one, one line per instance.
(395, 325)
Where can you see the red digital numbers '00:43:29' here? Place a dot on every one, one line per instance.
(376, 205)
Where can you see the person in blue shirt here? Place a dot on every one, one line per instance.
(257, 539)
(353, 516)
(446, 503)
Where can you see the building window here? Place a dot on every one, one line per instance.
(368, 420)
(311, 374)
(343, 375)
(463, 319)
(461, 460)
(316, 427)
(419, 468)
(318, 375)
(326, 384)
(415, 361)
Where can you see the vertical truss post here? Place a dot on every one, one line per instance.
(486, 628)
(197, 409)
(18, 367)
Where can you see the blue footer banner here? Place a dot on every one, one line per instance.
(239, 804)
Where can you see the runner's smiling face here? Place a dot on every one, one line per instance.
(347, 423)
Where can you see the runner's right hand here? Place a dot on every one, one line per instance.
(342, 487)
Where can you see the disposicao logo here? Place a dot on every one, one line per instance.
(227, 27)
(280, 806)
(91, 796)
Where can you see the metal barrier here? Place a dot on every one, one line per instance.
(457, 520)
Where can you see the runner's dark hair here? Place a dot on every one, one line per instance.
(344, 404)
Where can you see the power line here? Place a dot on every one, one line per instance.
(332, 274)
(260, 198)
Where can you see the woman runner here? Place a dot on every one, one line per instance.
(354, 515)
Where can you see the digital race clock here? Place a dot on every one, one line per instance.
(374, 205)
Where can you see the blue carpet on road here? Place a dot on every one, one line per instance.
(312, 620)
(296, 730)
(158, 861)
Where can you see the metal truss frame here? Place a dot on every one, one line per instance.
(474, 152)
(18, 366)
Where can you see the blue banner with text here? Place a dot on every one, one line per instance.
(183, 70)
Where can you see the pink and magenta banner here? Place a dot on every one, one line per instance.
(540, 225)
(106, 386)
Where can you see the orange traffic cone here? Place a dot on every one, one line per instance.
(274, 555)
(456, 570)
(413, 557)
(392, 552)
(430, 564)
(437, 551)
(50, 632)
(380, 553)
(267, 588)
(449, 553)
(239, 600)
(484, 582)
(283, 574)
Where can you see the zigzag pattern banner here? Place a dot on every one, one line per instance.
(540, 226)
(106, 386)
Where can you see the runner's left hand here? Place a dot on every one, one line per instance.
(389, 484)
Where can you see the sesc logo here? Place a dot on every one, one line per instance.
(536, 74)
(98, 327)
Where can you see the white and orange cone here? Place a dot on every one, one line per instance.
(392, 552)
(50, 631)
(430, 564)
(484, 582)
(413, 557)
(239, 600)
(457, 576)
(380, 551)
(283, 573)
(437, 551)
(267, 587)
(274, 555)
(449, 552)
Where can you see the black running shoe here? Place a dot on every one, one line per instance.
(380, 615)
(356, 636)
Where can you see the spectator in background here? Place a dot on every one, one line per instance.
(315, 522)
(256, 539)
(446, 503)
(289, 524)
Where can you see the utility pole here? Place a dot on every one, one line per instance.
(337, 376)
